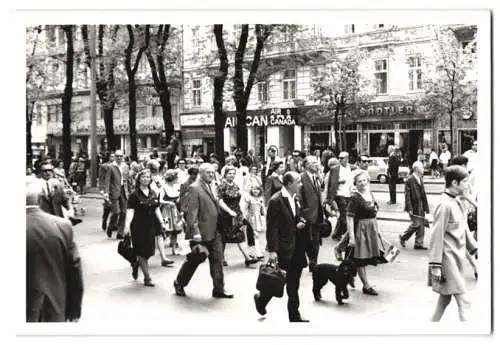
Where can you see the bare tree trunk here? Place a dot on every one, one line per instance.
(67, 96)
(108, 126)
(239, 90)
(219, 81)
(132, 109)
(29, 150)
(131, 71)
(160, 79)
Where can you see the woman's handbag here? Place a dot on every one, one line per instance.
(271, 280)
(390, 251)
(325, 228)
(125, 249)
(234, 234)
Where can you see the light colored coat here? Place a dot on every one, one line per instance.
(450, 240)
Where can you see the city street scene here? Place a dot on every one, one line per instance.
(254, 174)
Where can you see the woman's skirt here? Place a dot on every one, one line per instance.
(369, 248)
(173, 220)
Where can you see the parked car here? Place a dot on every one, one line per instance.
(377, 170)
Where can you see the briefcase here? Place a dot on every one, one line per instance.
(271, 280)
(125, 249)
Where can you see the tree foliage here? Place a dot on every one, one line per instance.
(450, 82)
(340, 90)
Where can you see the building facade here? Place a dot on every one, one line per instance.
(149, 124)
(281, 109)
(47, 114)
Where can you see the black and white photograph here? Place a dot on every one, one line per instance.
(236, 173)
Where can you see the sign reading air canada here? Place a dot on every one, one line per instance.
(276, 117)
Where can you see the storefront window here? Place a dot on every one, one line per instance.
(467, 137)
(379, 142)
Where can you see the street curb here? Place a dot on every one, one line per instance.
(385, 218)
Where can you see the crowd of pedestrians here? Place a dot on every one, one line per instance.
(158, 202)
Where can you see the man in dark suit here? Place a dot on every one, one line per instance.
(272, 153)
(416, 205)
(392, 172)
(116, 193)
(310, 198)
(53, 197)
(106, 207)
(202, 215)
(286, 242)
(54, 285)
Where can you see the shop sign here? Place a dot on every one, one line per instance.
(276, 117)
(194, 120)
(387, 110)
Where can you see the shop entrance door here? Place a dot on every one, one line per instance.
(319, 141)
(414, 144)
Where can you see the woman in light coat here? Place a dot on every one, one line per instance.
(450, 241)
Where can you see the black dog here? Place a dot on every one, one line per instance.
(340, 276)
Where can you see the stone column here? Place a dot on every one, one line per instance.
(297, 134)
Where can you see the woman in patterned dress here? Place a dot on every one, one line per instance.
(229, 199)
(170, 208)
(450, 241)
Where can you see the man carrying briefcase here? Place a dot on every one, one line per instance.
(286, 243)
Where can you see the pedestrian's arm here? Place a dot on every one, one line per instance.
(193, 211)
(272, 232)
(159, 216)
(470, 242)
(74, 279)
(436, 245)
(226, 208)
(408, 205)
(107, 182)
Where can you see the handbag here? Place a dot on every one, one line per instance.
(125, 249)
(325, 228)
(234, 234)
(271, 280)
(390, 251)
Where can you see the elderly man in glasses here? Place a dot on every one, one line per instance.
(53, 197)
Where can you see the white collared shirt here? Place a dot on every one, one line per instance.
(345, 188)
(291, 199)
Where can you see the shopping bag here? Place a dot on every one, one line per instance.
(271, 280)
(125, 249)
(390, 251)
